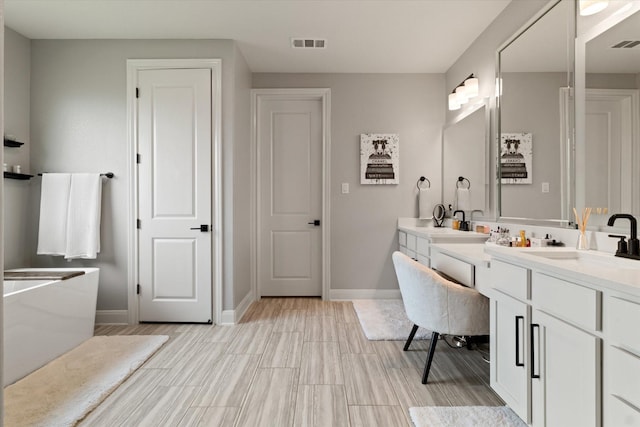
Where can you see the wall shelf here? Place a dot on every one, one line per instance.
(20, 176)
(12, 143)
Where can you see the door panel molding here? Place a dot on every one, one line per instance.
(133, 66)
(315, 94)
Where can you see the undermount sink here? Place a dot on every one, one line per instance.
(587, 258)
(557, 254)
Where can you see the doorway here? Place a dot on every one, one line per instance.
(291, 187)
(174, 142)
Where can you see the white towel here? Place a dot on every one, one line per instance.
(425, 203)
(83, 218)
(463, 199)
(54, 203)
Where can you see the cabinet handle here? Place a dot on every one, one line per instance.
(533, 353)
(518, 318)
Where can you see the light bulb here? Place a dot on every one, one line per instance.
(472, 87)
(462, 95)
(453, 102)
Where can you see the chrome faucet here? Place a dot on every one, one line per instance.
(464, 225)
(633, 246)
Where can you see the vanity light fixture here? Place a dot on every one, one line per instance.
(591, 7)
(465, 91)
(462, 95)
(453, 102)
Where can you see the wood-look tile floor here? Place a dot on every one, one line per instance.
(289, 362)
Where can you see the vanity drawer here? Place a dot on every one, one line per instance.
(623, 322)
(423, 246)
(424, 260)
(411, 242)
(402, 238)
(623, 371)
(461, 271)
(570, 301)
(621, 414)
(510, 279)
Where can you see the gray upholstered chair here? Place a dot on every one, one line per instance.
(438, 305)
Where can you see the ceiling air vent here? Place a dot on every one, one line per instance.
(307, 43)
(626, 44)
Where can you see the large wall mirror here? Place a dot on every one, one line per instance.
(534, 117)
(607, 163)
(465, 153)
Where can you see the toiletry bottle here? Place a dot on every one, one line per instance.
(523, 239)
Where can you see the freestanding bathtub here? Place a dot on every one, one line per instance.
(45, 318)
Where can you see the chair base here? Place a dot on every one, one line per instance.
(432, 349)
(411, 335)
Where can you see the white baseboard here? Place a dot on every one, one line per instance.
(351, 294)
(112, 317)
(231, 317)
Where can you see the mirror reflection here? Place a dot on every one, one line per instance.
(609, 156)
(464, 154)
(534, 112)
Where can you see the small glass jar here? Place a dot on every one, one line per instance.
(583, 241)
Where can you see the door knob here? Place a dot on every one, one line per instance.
(315, 222)
(204, 228)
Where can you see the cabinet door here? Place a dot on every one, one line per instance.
(510, 352)
(565, 371)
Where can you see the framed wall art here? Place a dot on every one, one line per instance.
(516, 158)
(379, 158)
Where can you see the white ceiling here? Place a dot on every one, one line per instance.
(601, 58)
(363, 36)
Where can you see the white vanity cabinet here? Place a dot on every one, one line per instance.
(510, 324)
(566, 352)
(622, 361)
(546, 349)
(565, 373)
(414, 247)
(510, 352)
(415, 242)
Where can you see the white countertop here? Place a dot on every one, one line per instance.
(472, 253)
(443, 233)
(591, 267)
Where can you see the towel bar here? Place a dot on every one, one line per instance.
(107, 174)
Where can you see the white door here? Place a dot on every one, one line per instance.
(609, 149)
(174, 175)
(290, 186)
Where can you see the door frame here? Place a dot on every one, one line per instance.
(313, 94)
(629, 100)
(133, 66)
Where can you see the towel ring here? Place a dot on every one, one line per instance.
(422, 179)
(461, 179)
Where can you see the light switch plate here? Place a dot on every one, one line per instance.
(345, 188)
(545, 187)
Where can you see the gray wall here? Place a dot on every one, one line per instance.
(241, 183)
(363, 222)
(2, 49)
(78, 124)
(16, 116)
(480, 58)
(612, 81)
(531, 103)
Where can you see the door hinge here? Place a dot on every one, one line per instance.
(138, 289)
(137, 92)
(138, 158)
(138, 224)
